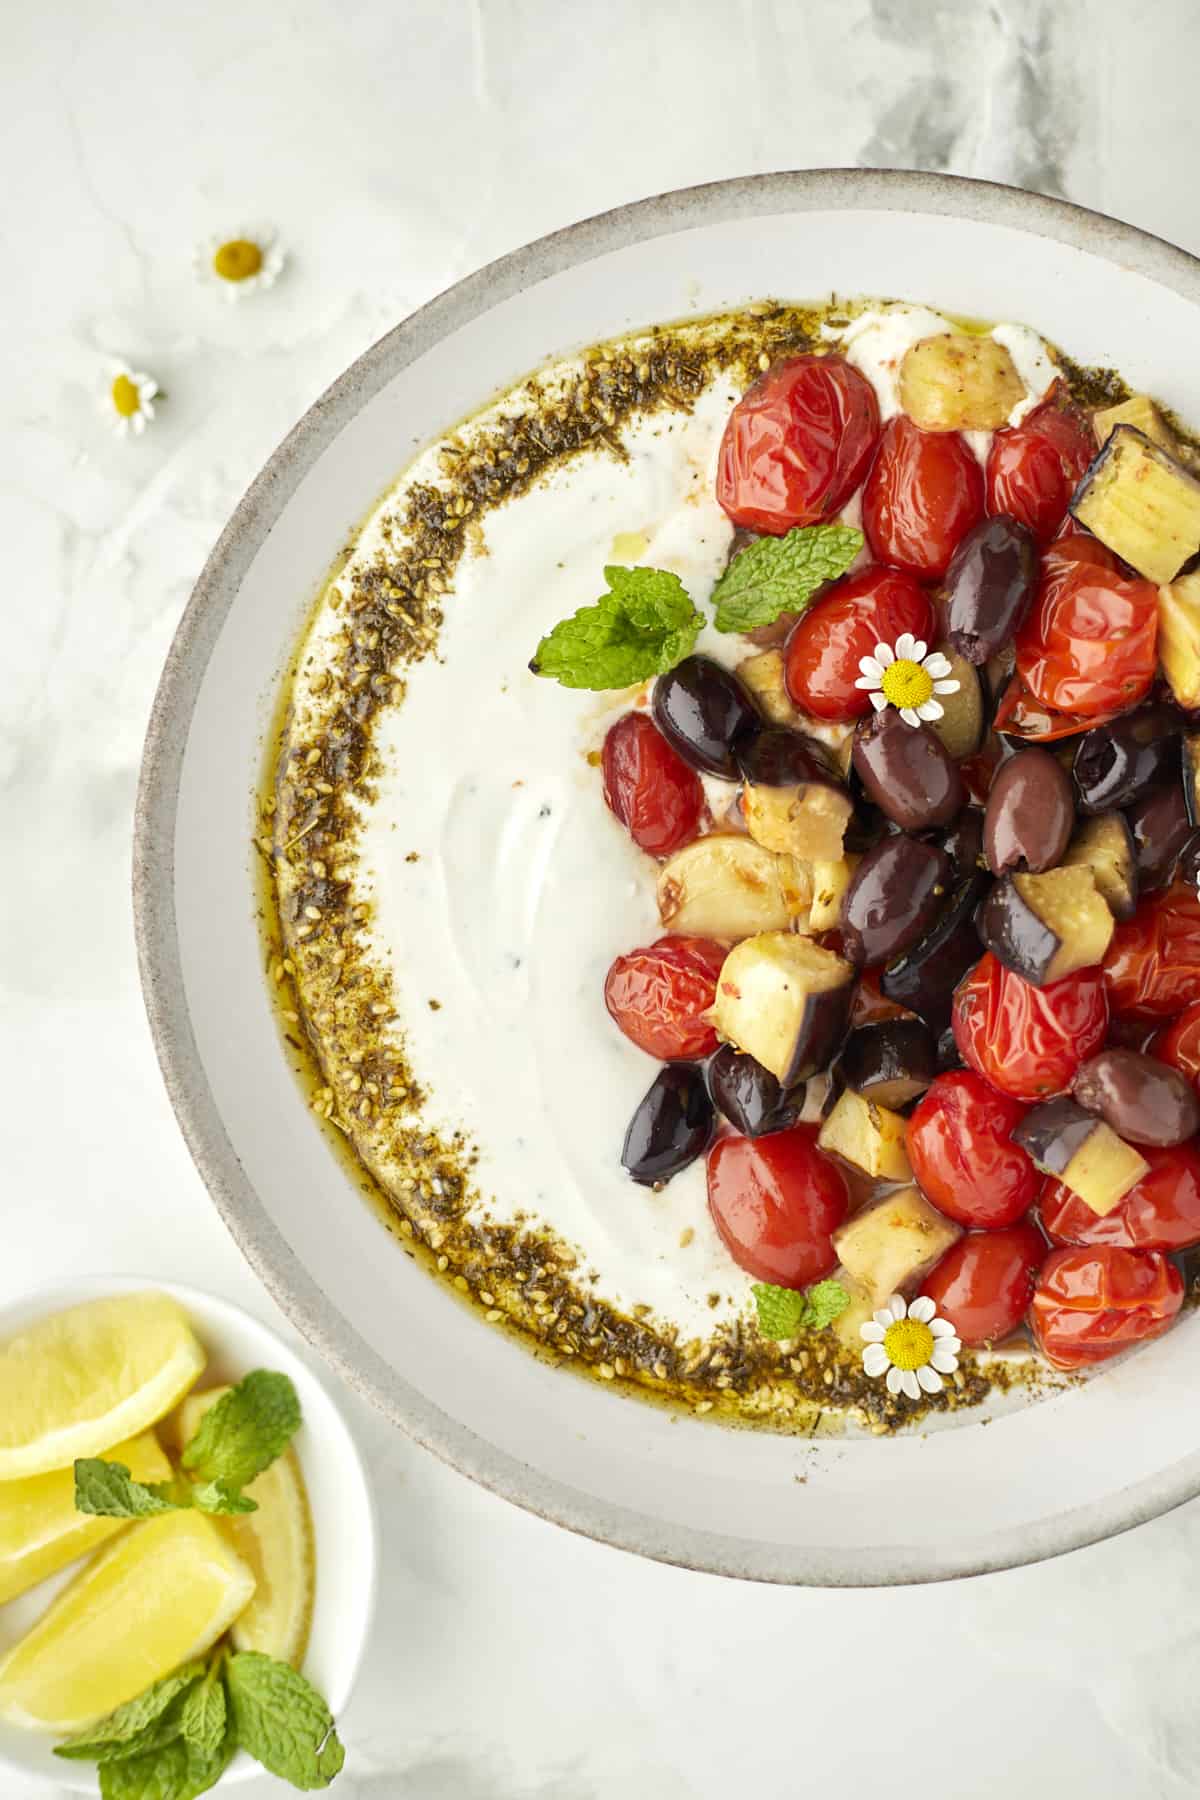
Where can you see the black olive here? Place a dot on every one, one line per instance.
(1161, 829)
(925, 979)
(1116, 764)
(672, 1126)
(749, 1095)
(894, 897)
(1030, 814)
(704, 711)
(907, 772)
(1142, 1099)
(949, 1056)
(989, 585)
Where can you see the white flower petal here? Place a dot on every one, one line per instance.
(945, 687)
(884, 655)
(942, 1361)
(937, 665)
(923, 1309)
(941, 1328)
(871, 1333)
(910, 1384)
(884, 1317)
(917, 653)
(899, 1306)
(930, 709)
(878, 700)
(869, 682)
(905, 645)
(929, 1379)
(875, 1361)
(895, 1381)
(137, 424)
(869, 666)
(909, 716)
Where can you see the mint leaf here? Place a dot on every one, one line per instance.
(782, 1312)
(221, 1497)
(642, 626)
(108, 1490)
(775, 575)
(203, 1717)
(245, 1431)
(176, 1771)
(121, 1730)
(282, 1720)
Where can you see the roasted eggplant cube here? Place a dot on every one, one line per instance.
(785, 1001)
(727, 886)
(890, 1063)
(1140, 412)
(1081, 1151)
(763, 676)
(1142, 503)
(924, 981)
(791, 800)
(1179, 637)
(1191, 775)
(830, 881)
(871, 1137)
(890, 1245)
(749, 1095)
(1044, 927)
(1105, 846)
(672, 1126)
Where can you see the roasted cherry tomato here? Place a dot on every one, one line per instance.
(1088, 646)
(961, 1150)
(924, 493)
(1153, 962)
(1179, 1043)
(984, 1284)
(797, 444)
(1033, 467)
(1028, 1041)
(822, 654)
(1090, 1304)
(1161, 1213)
(776, 1202)
(658, 996)
(649, 787)
(1020, 714)
(869, 1006)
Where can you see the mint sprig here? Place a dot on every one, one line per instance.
(784, 1312)
(108, 1490)
(642, 626)
(775, 575)
(122, 1731)
(282, 1721)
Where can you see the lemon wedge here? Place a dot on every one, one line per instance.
(40, 1530)
(163, 1593)
(80, 1381)
(276, 1542)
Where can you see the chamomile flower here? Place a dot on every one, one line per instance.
(128, 400)
(246, 262)
(903, 676)
(911, 1345)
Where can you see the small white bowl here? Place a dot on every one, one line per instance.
(345, 1527)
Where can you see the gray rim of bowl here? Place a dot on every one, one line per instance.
(262, 1244)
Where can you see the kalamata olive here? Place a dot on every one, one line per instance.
(1030, 814)
(672, 1126)
(749, 1095)
(895, 894)
(989, 585)
(924, 981)
(779, 757)
(703, 711)
(1117, 763)
(907, 772)
(867, 825)
(1144, 1101)
(1160, 828)
(963, 843)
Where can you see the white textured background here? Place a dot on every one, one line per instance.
(398, 144)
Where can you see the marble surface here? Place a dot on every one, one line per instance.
(397, 146)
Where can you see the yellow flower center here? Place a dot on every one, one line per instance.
(238, 260)
(125, 397)
(906, 683)
(909, 1344)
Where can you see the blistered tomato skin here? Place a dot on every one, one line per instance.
(823, 652)
(984, 1283)
(1033, 467)
(1179, 1042)
(923, 495)
(960, 1148)
(1091, 1303)
(776, 1202)
(1161, 1213)
(1028, 1041)
(1152, 967)
(1088, 646)
(658, 996)
(797, 445)
(649, 788)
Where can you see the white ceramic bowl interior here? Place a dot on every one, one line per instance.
(1036, 1481)
(345, 1530)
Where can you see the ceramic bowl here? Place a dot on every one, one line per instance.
(345, 1529)
(1036, 1481)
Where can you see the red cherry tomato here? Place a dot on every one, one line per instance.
(776, 1201)
(1179, 1043)
(1153, 962)
(1089, 643)
(869, 1006)
(1161, 1213)
(658, 996)
(924, 493)
(961, 1150)
(984, 1283)
(822, 654)
(1028, 1041)
(1033, 468)
(1020, 714)
(649, 786)
(797, 445)
(1090, 1304)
